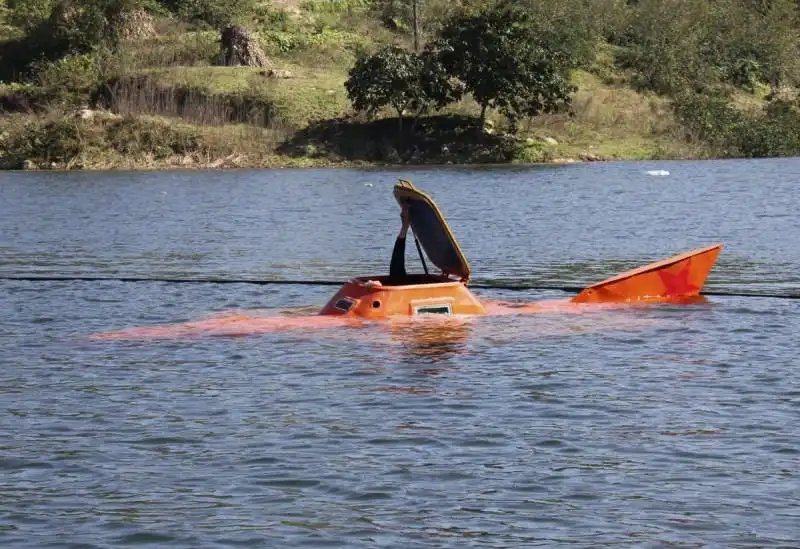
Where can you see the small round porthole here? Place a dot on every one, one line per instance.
(376, 304)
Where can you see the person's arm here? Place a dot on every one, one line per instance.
(397, 268)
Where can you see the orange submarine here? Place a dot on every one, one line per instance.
(404, 297)
(678, 279)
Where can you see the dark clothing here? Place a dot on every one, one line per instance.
(397, 268)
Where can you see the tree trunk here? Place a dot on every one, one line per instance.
(483, 115)
(415, 25)
(242, 48)
(400, 120)
(775, 84)
(416, 119)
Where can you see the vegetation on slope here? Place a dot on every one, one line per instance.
(143, 83)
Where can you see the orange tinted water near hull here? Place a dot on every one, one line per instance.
(570, 307)
(426, 334)
(229, 325)
(672, 280)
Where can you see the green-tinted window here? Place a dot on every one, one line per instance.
(433, 309)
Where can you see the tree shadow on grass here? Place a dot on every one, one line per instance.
(434, 140)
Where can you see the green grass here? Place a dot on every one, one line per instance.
(214, 80)
(62, 141)
(613, 122)
(310, 95)
(610, 122)
(308, 114)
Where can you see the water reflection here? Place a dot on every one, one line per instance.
(421, 348)
(570, 427)
(432, 340)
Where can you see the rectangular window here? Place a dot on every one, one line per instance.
(344, 304)
(433, 309)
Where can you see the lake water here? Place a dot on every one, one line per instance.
(664, 426)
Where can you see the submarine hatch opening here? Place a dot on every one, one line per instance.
(418, 279)
(412, 280)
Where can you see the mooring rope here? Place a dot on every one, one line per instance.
(491, 286)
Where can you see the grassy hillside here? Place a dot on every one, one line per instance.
(162, 100)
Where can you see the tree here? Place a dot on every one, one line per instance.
(71, 27)
(217, 14)
(777, 42)
(663, 43)
(670, 46)
(401, 79)
(26, 14)
(504, 64)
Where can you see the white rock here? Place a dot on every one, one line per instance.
(279, 73)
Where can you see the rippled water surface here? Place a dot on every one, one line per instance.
(661, 426)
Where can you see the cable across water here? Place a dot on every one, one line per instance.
(278, 282)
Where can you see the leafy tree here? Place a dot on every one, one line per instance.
(393, 13)
(26, 14)
(669, 45)
(72, 27)
(217, 14)
(572, 28)
(730, 132)
(504, 64)
(399, 15)
(401, 79)
(80, 25)
(777, 41)
(4, 25)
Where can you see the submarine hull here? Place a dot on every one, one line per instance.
(376, 298)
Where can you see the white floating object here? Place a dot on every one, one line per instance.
(657, 172)
(368, 184)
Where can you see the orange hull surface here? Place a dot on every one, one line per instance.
(673, 279)
(369, 298)
(676, 279)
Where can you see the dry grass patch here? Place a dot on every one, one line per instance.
(613, 122)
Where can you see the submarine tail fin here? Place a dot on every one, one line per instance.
(673, 279)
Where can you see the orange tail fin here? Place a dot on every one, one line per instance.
(678, 277)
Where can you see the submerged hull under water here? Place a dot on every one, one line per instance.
(556, 317)
(677, 280)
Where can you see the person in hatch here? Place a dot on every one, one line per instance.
(397, 268)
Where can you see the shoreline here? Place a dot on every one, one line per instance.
(89, 137)
(303, 164)
(310, 164)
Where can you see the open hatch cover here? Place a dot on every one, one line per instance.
(432, 230)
